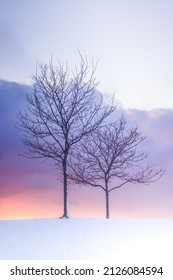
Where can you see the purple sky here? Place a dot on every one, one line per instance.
(29, 188)
(133, 41)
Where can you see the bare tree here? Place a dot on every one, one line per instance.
(111, 153)
(63, 107)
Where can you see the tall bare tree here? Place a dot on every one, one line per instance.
(111, 152)
(63, 107)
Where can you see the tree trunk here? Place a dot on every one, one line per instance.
(107, 205)
(107, 199)
(65, 214)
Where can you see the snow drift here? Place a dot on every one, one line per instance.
(79, 239)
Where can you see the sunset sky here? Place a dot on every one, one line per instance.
(133, 41)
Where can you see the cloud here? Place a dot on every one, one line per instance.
(12, 98)
(18, 174)
(14, 168)
(157, 125)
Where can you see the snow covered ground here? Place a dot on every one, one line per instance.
(86, 239)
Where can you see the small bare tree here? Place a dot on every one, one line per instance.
(63, 107)
(111, 153)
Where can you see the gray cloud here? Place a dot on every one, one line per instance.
(12, 99)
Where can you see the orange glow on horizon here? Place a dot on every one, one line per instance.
(28, 206)
(33, 203)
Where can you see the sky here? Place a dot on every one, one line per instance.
(133, 41)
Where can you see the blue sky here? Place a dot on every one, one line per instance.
(133, 41)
